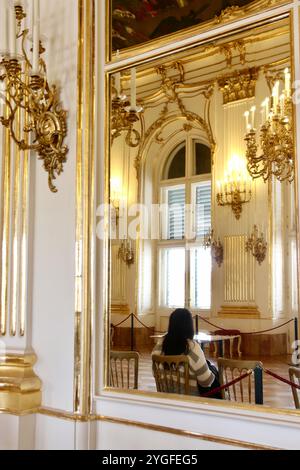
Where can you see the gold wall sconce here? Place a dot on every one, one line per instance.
(26, 95)
(257, 245)
(115, 199)
(235, 190)
(217, 250)
(126, 252)
(125, 113)
(276, 141)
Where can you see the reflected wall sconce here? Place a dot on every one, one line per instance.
(277, 156)
(116, 195)
(235, 190)
(30, 107)
(126, 252)
(217, 250)
(125, 113)
(257, 245)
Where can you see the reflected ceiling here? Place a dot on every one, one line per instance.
(138, 21)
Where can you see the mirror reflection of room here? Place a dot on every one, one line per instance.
(203, 222)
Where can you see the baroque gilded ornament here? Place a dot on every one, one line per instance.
(238, 85)
(25, 88)
(257, 245)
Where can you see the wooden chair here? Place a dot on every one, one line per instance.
(230, 369)
(171, 374)
(294, 373)
(124, 369)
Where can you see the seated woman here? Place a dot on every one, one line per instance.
(180, 341)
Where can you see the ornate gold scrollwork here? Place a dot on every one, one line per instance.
(238, 85)
(32, 94)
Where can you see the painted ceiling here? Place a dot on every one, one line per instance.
(138, 21)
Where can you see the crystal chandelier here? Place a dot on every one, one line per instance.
(125, 113)
(276, 143)
(217, 250)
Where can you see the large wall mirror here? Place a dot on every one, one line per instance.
(203, 217)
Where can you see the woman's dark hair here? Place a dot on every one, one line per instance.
(181, 329)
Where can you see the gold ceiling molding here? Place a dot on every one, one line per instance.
(172, 85)
(228, 49)
(20, 387)
(238, 85)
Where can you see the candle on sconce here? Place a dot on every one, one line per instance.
(12, 31)
(133, 88)
(282, 103)
(267, 105)
(253, 110)
(287, 81)
(36, 37)
(263, 118)
(4, 29)
(246, 114)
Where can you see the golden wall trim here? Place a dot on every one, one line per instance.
(20, 387)
(152, 427)
(85, 195)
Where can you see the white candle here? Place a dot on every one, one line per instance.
(4, 28)
(263, 118)
(247, 120)
(287, 82)
(12, 31)
(253, 109)
(267, 105)
(36, 37)
(282, 103)
(133, 88)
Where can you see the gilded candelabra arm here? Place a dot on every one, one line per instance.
(28, 91)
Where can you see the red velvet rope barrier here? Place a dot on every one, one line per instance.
(229, 384)
(275, 376)
(252, 333)
(121, 323)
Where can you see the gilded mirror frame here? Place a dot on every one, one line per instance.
(227, 16)
(105, 390)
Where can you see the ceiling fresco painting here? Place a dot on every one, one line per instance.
(138, 21)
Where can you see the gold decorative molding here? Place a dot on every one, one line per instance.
(20, 387)
(227, 50)
(228, 311)
(238, 85)
(85, 197)
(64, 415)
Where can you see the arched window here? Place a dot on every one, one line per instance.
(185, 194)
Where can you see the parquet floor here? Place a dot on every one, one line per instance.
(276, 394)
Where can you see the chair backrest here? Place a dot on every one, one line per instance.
(171, 374)
(294, 373)
(124, 369)
(248, 390)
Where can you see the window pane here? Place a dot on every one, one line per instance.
(203, 208)
(176, 213)
(201, 278)
(173, 277)
(202, 159)
(177, 165)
